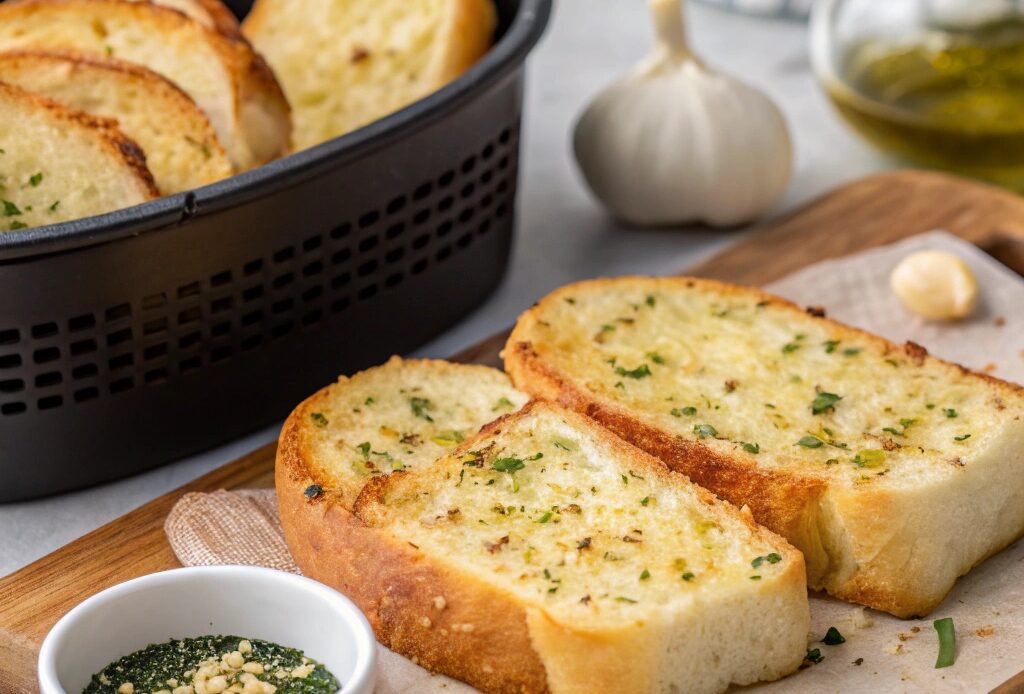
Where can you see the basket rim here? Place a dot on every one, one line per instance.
(527, 26)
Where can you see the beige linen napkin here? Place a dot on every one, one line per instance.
(881, 653)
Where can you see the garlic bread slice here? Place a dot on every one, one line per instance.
(548, 555)
(894, 472)
(57, 164)
(181, 147)
(224, 76)
(346, 63)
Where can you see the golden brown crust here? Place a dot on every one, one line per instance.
(473, 21)
(113, 140)
(396, 586)
(223, 20)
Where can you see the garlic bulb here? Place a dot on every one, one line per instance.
(674, 142)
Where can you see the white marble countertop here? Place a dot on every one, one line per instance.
(563, 235)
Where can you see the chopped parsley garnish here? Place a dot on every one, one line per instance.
(869, 457)
(810, 442)
(824, 402)
(904, 423)
(656, 358)
(642, 371)
(10, 209)
(773, 558)
(54, 206)
(649, 301)
(318, 420)
(962, 437)
(624, 599)
(419, 408)
(645, 501)
(508, 464)
(751, 448)
(830, 346)
(544, 518)
(16, 225)
(565, 444)
(703, 431)
(950, 413)
(688, 576)
(313, 491)
(364, 448)
(833, 637)
(790, 347)
(680, 411)
(448, 438)
(35, 179)
(755, 578)
(947, 642)
(851, 351)
(814, 655)
(644, 575)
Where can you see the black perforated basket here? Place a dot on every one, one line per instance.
(138, 337)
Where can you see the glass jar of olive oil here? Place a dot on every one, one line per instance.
(937, 82)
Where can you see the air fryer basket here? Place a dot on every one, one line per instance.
(136, 338)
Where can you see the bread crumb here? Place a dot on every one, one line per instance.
(487, 668)
(860, 618)
(895, 650)
(903, 636)
(126, 688)
(1000, 321)
(985, 631)
(440, 603)
(915, 629)
(425, 622)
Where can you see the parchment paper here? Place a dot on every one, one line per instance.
(881, 653)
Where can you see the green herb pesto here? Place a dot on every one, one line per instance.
(149, 669)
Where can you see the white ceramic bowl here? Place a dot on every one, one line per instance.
(241, 600)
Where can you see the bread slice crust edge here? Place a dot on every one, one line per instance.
(389, 581)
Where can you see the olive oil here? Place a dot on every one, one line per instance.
(952, 100)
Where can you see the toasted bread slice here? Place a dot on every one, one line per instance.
(550, 538)
(225, 77)
(346, 63)
(57, 164)
(182, 150)
(858, 451)
(210, 13)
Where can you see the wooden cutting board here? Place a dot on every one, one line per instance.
(870, 212)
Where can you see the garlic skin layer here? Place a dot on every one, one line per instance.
(674, 142)
(935, 284)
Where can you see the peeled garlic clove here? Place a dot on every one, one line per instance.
(674, 142)
(935, 284)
